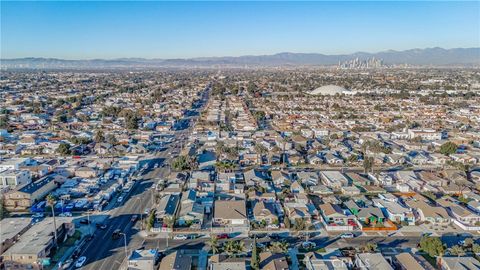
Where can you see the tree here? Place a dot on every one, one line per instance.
(64, 149)
(182, 163)
(367, 164)
(369, 247)
(352, 158)
(4, 121)
(213, 243)
(131, 122)
(99, 136)
(448, 148)
(233, 248)
(287, 223)
(300, 224)
(51, 202)
(457, 250)
(278, 247)
(468, 242)
(255, 261)
(432, 245)
(151, 221)
(476, 248)
(111, 139)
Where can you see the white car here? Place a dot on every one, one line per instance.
(80, 261)
(180, 237)
(120, 199)
(272, 226)
(37, 215)
(347, 235)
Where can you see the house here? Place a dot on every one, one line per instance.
(142, 259)
(176, 260)
(350, 190)
(254, 176)
(335, 219)
(168, 206)
(265, 212)
(458, 263)
(85, 172)
(296, 187)
(315, 261)
(230, 213)
(24, 197)
(298, 210)
(279, 178)
(460, 213)
(308, 178)
(14, 163)
(223, 262)
(333, 179)
(370, 215)
(371, 261)
(395, 211)
(36, 243)
(12, 229)
(407, 261)
(273, 261)
(435, 215)
(206, 160)
(190, 213)
(14, 178)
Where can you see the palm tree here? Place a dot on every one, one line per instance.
(232, 248)
(278, 247)
(213, 243)
(51, 202)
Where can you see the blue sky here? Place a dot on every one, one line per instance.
(85, 30)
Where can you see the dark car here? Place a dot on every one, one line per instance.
(84, 221)
(101, 226)
(89, 237)
(116, 234)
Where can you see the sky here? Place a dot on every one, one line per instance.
(87, 30)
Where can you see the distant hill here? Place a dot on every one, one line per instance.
(416, 57)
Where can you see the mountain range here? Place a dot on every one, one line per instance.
(414, 57)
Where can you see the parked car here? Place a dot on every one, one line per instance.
(116, 234)
(180, 237)
(80, 261)
(120, 199)
(89, 237)
(347, 235)
(101, 226)
(66, 264)
(38, 215)
(134, 218)
(85, 221)
(222, 236)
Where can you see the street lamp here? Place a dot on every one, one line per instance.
(125, 243)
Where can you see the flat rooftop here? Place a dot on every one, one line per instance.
(12, 226)
(37, 237)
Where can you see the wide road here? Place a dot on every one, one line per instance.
(103, 252)
(400, 242)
